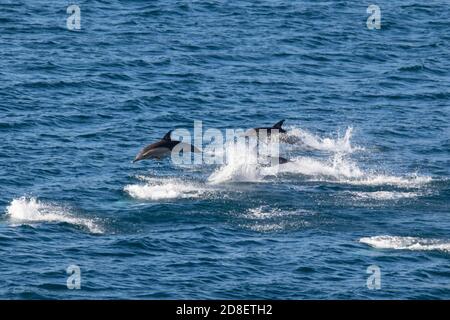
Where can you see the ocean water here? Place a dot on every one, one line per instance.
(367, 187)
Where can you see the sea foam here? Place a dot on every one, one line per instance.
(386, 195)
(337, 167)
(31, 211)
(164, 188)
(406, 243)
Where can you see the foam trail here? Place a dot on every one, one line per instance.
(410, 181)
(30, 210)
(158, 189)
(266, 219)
(337, 167)
(406, 243)
(341, 170)
(242, 163)
(266, 212)
(386, 195)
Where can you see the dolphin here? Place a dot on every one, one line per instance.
(276, 126)
(163, 148)
(284, 136)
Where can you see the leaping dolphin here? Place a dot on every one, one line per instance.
(163, 148)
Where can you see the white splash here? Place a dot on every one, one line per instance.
(165, 188)
(31, 210)
(336, 167)
(406, 243)
(338, 144)
(341, 170)
(241, 165)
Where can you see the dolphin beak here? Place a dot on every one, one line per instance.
(137, 158)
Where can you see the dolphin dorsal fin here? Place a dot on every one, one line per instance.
(278, 124)
(167, 136)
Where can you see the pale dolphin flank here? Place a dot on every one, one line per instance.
(163, 148)
(268, 130)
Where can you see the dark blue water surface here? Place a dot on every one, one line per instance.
(368, 183)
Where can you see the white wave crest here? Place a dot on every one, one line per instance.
(406, 243)
(158, 189)
(30, 210)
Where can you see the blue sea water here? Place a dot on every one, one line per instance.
(368, 183)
